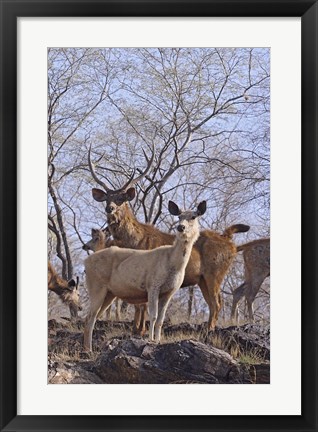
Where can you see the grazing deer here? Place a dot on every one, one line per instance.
(211, 255)
(256, 256)
(140, 276)
(67, 291)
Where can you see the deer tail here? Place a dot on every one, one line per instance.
(233, 229)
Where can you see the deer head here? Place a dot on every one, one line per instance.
(115, 198)
(188, 226)
(98, 240)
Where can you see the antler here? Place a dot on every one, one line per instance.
(131, 181)
(128, 183)
(93, 172)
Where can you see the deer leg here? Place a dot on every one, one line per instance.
(124, 307)
(106, 305)
(238, 293)
(137, 318)
(88, 331)
(211, 292)
(142, 327)
(206, 296)
(118, 316)
(96, 304)
(163, 304)
(251, 292)
(139, 325)
(107, 313)
(190, 301)
(217, 305)
(153, 295)
(250, 309)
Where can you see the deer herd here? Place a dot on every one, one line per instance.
(143, 266)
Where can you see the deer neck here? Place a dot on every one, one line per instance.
(126, 228)
(181, 251)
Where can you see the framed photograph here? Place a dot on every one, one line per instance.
(183, 116)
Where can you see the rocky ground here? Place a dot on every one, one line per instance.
(188, 354)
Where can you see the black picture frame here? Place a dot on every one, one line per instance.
(10, 11)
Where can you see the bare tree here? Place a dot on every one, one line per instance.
(73, 97)
(206, 112)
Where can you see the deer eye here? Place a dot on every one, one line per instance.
(193, 217)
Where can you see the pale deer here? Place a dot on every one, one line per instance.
(66, 290)
(211, 255)
(140, 276)
(256, 256)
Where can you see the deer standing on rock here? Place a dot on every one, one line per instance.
(140, 276)
(256, 256)
(211, 255)
(66, 290)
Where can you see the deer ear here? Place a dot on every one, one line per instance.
(130, 193)
(201, 208)
(71, 283)
(99, 195)
(93, 231)
(174, 209)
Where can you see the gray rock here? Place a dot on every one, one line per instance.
(70, 373)
(136, 361)
(127, 359)
(248, 337)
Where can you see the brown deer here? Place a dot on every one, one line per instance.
(140, 276)
(101, 239)
(256, 256)
(66, 290)
(211, 255)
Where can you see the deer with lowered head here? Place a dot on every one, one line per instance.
(211, 255)
(256, 255)
(140, 276)
(66, 290)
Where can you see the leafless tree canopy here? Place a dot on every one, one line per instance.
(204, 110)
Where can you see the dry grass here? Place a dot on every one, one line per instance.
(72, 356)
(183, 335)
(69, 349)
(251, 357)
(224, 343)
